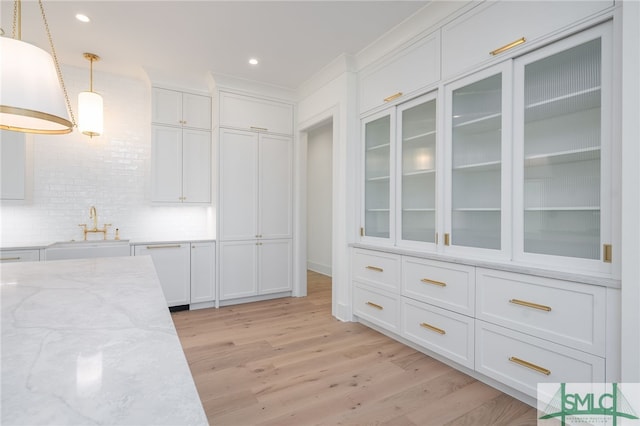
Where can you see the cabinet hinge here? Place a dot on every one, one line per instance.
(607, 254)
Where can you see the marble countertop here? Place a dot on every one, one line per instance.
(91, 341)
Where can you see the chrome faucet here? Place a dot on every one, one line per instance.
(93, 214)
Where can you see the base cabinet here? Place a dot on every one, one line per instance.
(203, 273)
(255, 268)
(27, 255)
(514, 328)
(172, 263)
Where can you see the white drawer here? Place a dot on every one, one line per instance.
(377, 268)
(378, 307)
(564, 312)
(522, 361)
(27, 255)
(444, 332)
(446, 285)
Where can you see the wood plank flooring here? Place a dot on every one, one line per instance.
(289, 362)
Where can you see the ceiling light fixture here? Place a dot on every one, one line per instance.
(82, 17)
(90, 120)
(33, 95)
(253, 61)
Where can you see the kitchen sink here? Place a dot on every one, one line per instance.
(87, 249)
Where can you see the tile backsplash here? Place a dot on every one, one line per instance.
(68, 174)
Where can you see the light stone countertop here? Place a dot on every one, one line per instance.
(91, 341)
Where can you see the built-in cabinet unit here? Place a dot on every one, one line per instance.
(13, 167)
(255, 199)
(23, 255)
(489, 226)
(180, 147)
(186, 271)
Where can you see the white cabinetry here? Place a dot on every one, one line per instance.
(26, 255)
(402, 75)
(203, 275)
(255, 198)
(181, 147)
(13, 158)
(253, 113)
(470, 39)
(173, 265)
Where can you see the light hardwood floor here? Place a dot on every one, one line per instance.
(289, 362)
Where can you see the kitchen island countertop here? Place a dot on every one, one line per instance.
(91, 341)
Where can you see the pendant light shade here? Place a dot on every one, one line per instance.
(32, 92)
(90, 120)
(31, 97)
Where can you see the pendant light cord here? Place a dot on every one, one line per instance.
(57, 65)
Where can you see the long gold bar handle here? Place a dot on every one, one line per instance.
(374, 305)
(527, 364)
(164, 246)
(2, 259)
(392, 97)
(434, 282)
(432, 328)
(530, 305)
(260, 129)
(508, 46)
(375, 268)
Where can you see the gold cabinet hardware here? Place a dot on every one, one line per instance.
(434, 282)
(362, 232)
(529, 365)
(259, 129)
(447, 239)
(506, 47)
(374, 305)
(607, 253)
(166, 246)
(530, 305)
(432, 328)
(3, 259)
(392, 97)
(258, 244)
(374, 268)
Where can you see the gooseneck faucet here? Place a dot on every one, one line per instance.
(93, 214)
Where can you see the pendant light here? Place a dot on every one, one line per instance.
(90, 121)
(33, 96)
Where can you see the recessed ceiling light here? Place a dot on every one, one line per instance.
(253, 61)
(82, 18)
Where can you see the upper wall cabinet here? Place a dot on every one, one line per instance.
(255, 114)
(402, 75)
(173, 108)
(13, 157)
(493, 28)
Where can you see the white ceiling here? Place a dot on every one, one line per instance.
(292, 39)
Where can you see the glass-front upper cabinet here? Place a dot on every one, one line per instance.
(562, 152)
(378, 177)
(478, 158)
(416, 193)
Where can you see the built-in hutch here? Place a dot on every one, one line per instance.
(488, 226)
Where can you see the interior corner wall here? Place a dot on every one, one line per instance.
(319, 198)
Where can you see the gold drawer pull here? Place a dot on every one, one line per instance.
(392, 97)
(432, 328)
(375, 268)
(530, 305)
(434, 282)
(533, 367)
(374, 305)
(165, 246)
(607, 253)
(260, 129)
(9, 258)
(508, 46)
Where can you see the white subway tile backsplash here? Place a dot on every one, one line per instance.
(73, 172)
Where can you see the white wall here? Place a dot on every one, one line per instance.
(319, 194)
(111, 172)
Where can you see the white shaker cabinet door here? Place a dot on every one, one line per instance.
(166, 160)
(173, 266)
(238, 269)
(196, 166)
(238, 185)
(275, 266)
(196, 111)
(203, 261)
(275, 187)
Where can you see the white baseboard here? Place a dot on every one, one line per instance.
(319, 268)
